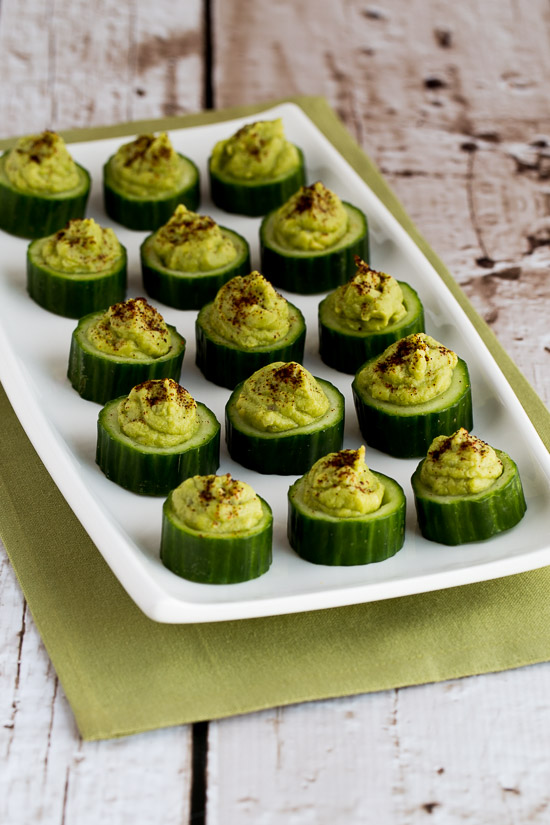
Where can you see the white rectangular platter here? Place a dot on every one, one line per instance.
(126, 527)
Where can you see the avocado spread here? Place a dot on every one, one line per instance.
(313, 219)
(192, 243)
(42, 164)
(147, 166)
(369, 301)
(258, 151)
(281, 396)
(131, 329)
(341, 485)
(413, 370)
(247, 311)
(217, 504)
(158, 413)
(459, 464)
(81, 246)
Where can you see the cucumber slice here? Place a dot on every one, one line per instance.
(407, 431)
(31, 215)
(324, 539)
(225, 364)
(150, 212)
(98, 376)
(290, 452)
(254, 197)
(190, 290)
(73, 294)
(154, 471)
(346, 351)
(308, 272)
(475, 517)
(215, 559)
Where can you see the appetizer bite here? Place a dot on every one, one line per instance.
(464, 490)
(247, 326)
(79, 269)
(364, 316)
(127, 344)
(216, 530)
(282, 419)
(416, 389)
(256, 169)
(187, 260)
(41, 186)
(309, 244)
(342, 513)
(146, 179)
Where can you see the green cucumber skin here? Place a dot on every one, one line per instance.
(345, 542)
(212, 559)
(153, 473)
(75, 296)
(463, 519)
(32, 216)
(227, 366)
(254, 199)
(137, 214)
(410, 436)
(317, 273)
(346, 353)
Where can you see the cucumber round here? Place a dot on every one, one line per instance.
(225, 364)
(216, 559)
(190, 290)
(98, 376)
(323, 539)
(474, 517)
(154, 471)
(346, 351)
(255, 197)
(35, 215)
(406, 431)
(307, 272)
(289, 452)
(150, 212)
(74, 294)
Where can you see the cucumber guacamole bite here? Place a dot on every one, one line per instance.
(464, 490)
(79, 269)
(256, 169)
(41, 186)
(416, 389)
(247, 326)
(342, 513)
(310, 243)
(146, 179)
(187, 260)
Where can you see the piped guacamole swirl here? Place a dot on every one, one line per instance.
(159, 413)
(341, 485)
(131, 329)
(460, 464)
(189, 242)
(147, 166)
(312, 219)
(257, 151)
(369, 301)
(41, 164)
(217, 504)
(81, 246)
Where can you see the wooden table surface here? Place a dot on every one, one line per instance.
(452, 101)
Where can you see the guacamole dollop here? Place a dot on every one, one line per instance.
(217, 504)
(460, 464)
(369, 301)
(158, 413)
(281, 396)
(341, 485)
(410, 371)
(147, 166)
(189, 242)
(258, 151)
(312, 219)
(41, 164)
(81, 246)
(131, 329)
(248, 312)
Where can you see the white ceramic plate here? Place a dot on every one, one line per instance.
(126, 527)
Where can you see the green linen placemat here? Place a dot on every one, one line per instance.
(123, 673)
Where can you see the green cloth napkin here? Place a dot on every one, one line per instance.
(123, 673)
